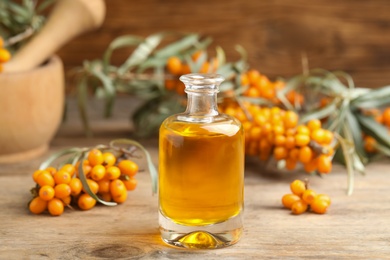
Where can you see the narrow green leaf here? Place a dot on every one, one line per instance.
(177, 47)
(49, 161)
(45, 4)
(84, 181)
(141, 53)
(352, 125)
(374, 129)
(152, 169)
(221, 57)
(82, 98)
(319, 113)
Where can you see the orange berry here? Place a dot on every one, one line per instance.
(117, 188)
(290, 142)
(128, 167)
(45, 178)
(369, 144)
(104, 186)
(66, 200)
(305, 154)
(69, 168)
(252, 92)
(280, 152)
(299, 207)
(386, 116)
(294, 154)
(205, 67)
(311, 166)
(314, 124)
(95, 157)
(62, 190)
(62, 177)
(5, 55)
(280, 140)
(98, 172)
(319, 206)
(289, 199)
(86, 202)
(131, 183)
(291, 164)
(244, 79)
(75, 186)
(174, 65)
(290, 119)
(92, 185)
(196, 55)
(325, 198)
(253, 76)
(109, 159)
(308, 196)
(37, 205)
(328, 137)
(304, 130)
(121, 198)
(46, 192)
(106, 196)
(297, 187)
(113, 172)
(36, 174)
(302, 140)
(170, 84)
(185, 69)
(55, 207)
(255, 133)
(52, 170)
(324, 164)
(318, 135)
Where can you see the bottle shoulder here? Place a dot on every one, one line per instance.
(220, 124)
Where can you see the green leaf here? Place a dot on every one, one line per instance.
(174, 48)
(119, 42)
(49, 161)
(142, 52)
(374, 129)
(221, 57)
(19, 10)
(45, 4)
(84, 181)
(319, 113)
(352, 125)
(152, 169)
(82, 96)
(372, 95)
(109, 88)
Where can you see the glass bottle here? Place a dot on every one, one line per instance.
(201, 170)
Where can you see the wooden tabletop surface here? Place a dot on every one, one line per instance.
(356, 226)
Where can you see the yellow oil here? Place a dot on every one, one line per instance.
(201, 172)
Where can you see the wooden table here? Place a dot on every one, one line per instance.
(356, 226)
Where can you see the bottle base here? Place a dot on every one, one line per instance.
(213, 236)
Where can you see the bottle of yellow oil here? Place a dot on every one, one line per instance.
(201, 170)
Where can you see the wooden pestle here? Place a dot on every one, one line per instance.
(68, 19)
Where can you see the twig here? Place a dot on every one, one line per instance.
(19, 37)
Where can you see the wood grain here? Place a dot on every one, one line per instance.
(356, 227)
(333, 34)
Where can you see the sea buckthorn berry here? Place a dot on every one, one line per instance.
(52, 170)
(86, 168)
(253, 76)
(106, 196)
(302, 139)
(36, 174)
(297, 187)
(174, 65)
(69, 168)
(45, 178)
(280, 152)
(128, 167)
(319, 206)
(66, 200)
(324, 164)
(205, 68)
(95, 157)
(104, 186)
(290, 142)
(308, 196)
(305, 154)
(117, 188)
(289, 199)
(290, 164)
(290, 119)
(294, 154)
(55, 207)
(244, 79)
(86, 202)
(62, 190)
(386, 116)
(108, 159)
(280, 140)
(318, 135)
(113, 172)
(304, 130)
(62, 177)
(75, 186)
(130, 183)
(255, 133)
(310, 166)
(121, 198)
(46, 192)
(185, 69)
(5, 55)
(314, 124)
(299, 207)
(325, 198)
(94, 187)
(37, 205)
(328, 137)
(98, 172)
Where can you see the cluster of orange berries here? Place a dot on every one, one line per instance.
(178, 67)
(259, 86)
(275, 132)
(302, 198)
(382, 117)
(5, 55)
(106, 177)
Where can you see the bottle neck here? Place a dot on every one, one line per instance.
(202, 104)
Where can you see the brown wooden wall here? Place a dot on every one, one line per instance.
(349, 35)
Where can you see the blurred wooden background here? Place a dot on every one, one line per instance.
(348, 35)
